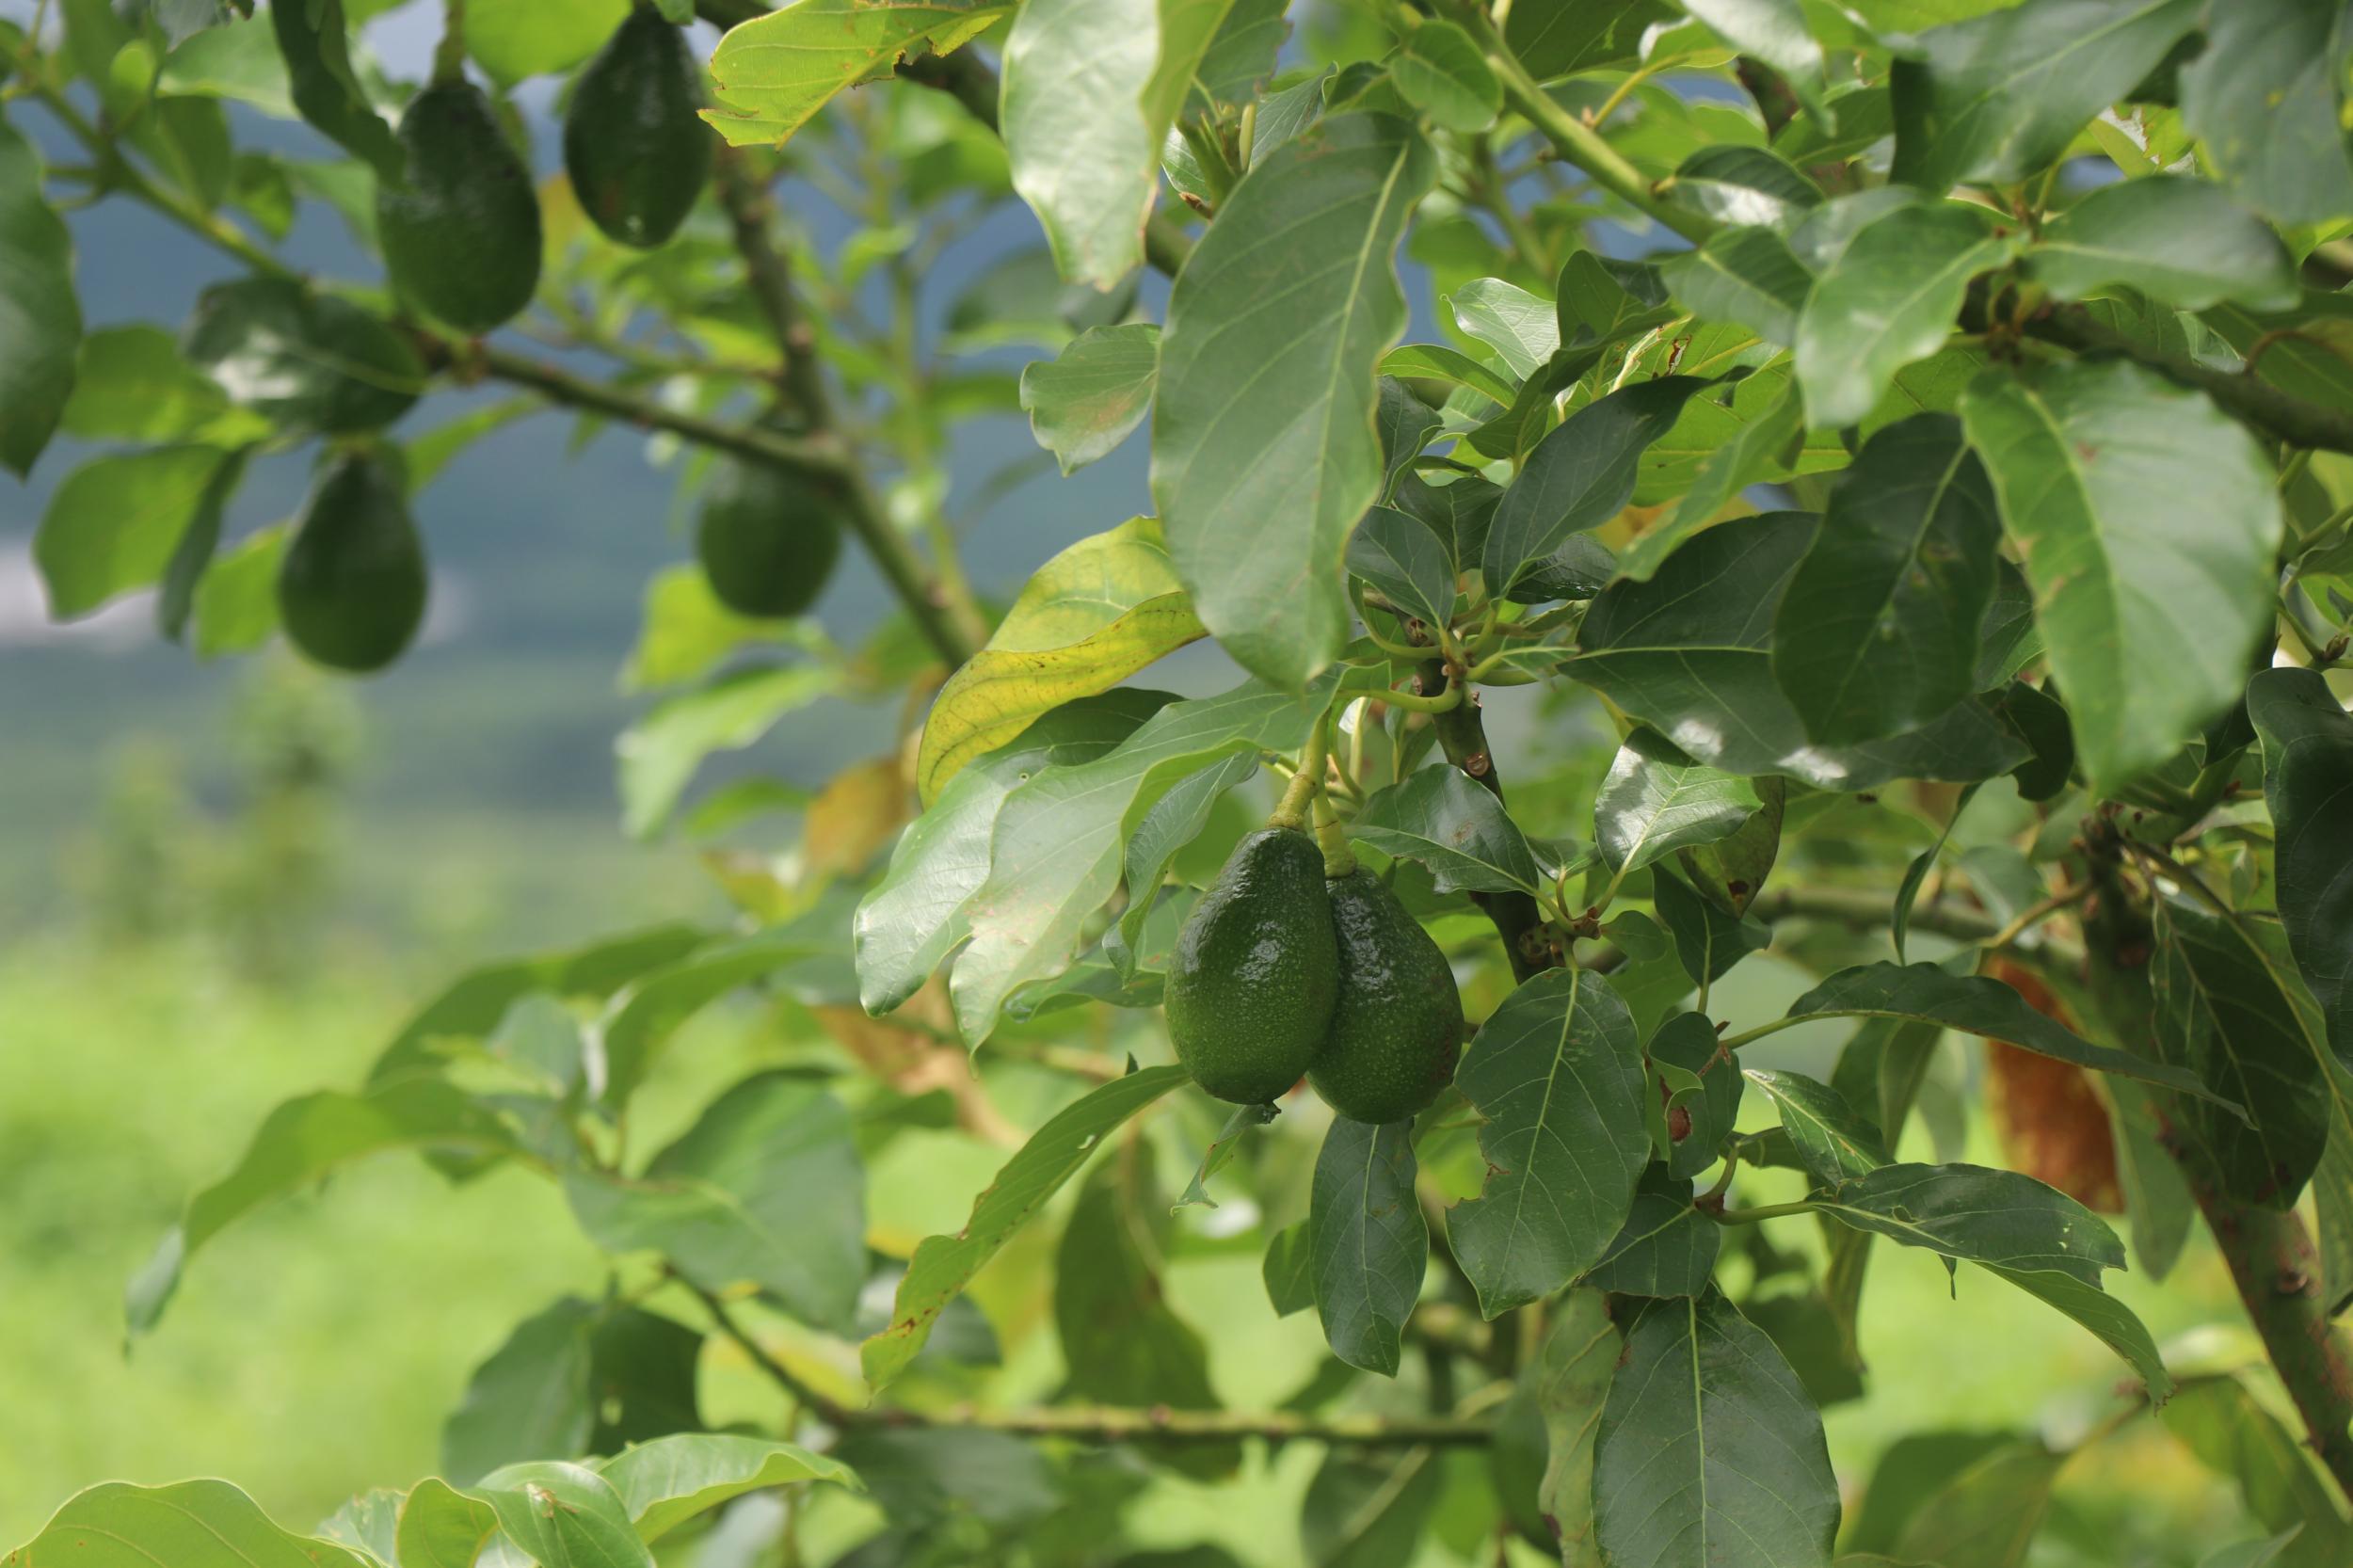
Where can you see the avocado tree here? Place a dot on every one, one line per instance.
(1882, 468)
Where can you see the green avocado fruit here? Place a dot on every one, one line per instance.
(767, 540)
(635, 141)
(1252, 980)
(351, 585)
(1397, 1028)
(461, 232)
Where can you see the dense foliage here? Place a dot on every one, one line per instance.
(1890, 461)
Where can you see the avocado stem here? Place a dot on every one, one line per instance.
(1307, 785)
(448, 55)
(1339, 859)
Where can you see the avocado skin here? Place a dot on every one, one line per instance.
(767, 540)
(351, 585)
(1252, 981)
(634, 142)
(461, 237)
(1397, 1028)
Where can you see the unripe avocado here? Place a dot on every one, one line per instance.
(1251, 983)
(1397, 1026)
(351, 585)
(635, 147)
(768, 538)
(461, 233)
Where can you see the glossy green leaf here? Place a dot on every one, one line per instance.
(1655, 801)
(1370, 1243)
(1742, 186)
(310, 362)
(1556, 1073)
(687, 632)
(660, 754)
(1554, 38)
(1085, 156)
(1450, 823)
(1710, 1454)
(1832, 1142)
(132, 384)
(315, 39)
(2147, 519)
(943, 1265)
(776, 72)
(536, 38)
(1087, 399)
(2308, 763)
(113, 526)
(530, 1397)
(1774, 31)
(1708, 939)
(1666, 1247)
(1442, 72)
(1876, 633)
(1087, 620)
(2173, 238)
(2264, 98)
(1570, 1381)
(1747, 276)
(1450, 364)
(1175, 820)
(560, 1513)
(1887, 300)
(665, 1482)
(1701, 1089)
(1978, 1215)
(194, 1523)
(1289, 1269)
(1747, 457)
(1579, 476)
(41, 319)
(1523, 328)
(2114, 1323)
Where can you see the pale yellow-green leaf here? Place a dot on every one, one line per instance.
(776, 72)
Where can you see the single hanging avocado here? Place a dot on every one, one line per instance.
(351, 585)
(461, 234)
(768, 538)
(1251, 983)
(634, 142)
(1397, 1026)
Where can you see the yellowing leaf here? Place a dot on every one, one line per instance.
(776, 72)
(1091, 616)
(860, 811)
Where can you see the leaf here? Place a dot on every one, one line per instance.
(1579, 476)
(943, 1265)
(1556, 1071)
(1430, 359)
(1708, 941)
(41, 319)
(774, 72)
(1080, 130)
(563, 1513)
(1367, 1510)
(1442, 72)
(1086, 400)
(1523, 328)
(1559, 37)
(113, 526)
(660, 753)
(2173, 238)
(1710, 1455)
(765, 1187)
(916, 915)
(1289, 1269)
(531, 1396)
(2223, 1422)
(1999, 96)
(1666, 1248)
(1975, 1004)
(1742, 186)
(1748, 456)
(194, 1523)
(1832, 1142)
(1570, 1380)
(1655, 801)
(131, 383)
(1917, 871)
(1774, 31)
(1978, 1215)
(1370, 1243)
(1174, 822)
(1456, 827)
(515, 40)
(2308, 760)
(2147, 521)
(1263, 448)
(316, 42)
(1400, 555)
(1887, 300)
(665, 1482)
(1986, 1517)
(2111, 1320)
(309, 362)
(302, 1140)
(2264, 100)
(1222, 1150)
(1093, 615)
(2227, 1010)
(236, 602)
(687, 632)
(1747, 276)
(1689, 653)
(1876, 633)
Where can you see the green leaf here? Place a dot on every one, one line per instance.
(1748, 275)
(1655, 801)
(1371, 1244)
(776, 72)
(1667, 1247)
(1579, 476)
(2173, 238)
(1690, 653)
(665, 1482)
(239, 63)
(1887, 300)
(1442, 72)
(687, 632)
(1263, 447)
(766, 1187)
(2229, 1009)
(653, 1005)
(316, 44)
(1975, 1004)
(563, 1513)
(1978, 1215)
(1085, 400)
(1398, 555)
(2308, 757)
(1832, 1142)
(1747, 457)
(236, 602)
(1986, 1517)
(539, 37)
(2111, 1320)
(2147, 519)
(1999, 96)
(660, 753)
(1878, 630)
(304, 1140)
(1366, 1511)
(194, 1523)
(1442, 818)
(1079, 128)
(1429, 360)
(1177, 819)
(1742, 186)
(1554, 38)
(131, 383)
(113, 526)
(1710, 941)
(1222, 1150)
(41, 319)
(1122, 1341)
(309, 362)
(1289, 1269)
(1570, 1380)
(2265, 99)
(532, 1396)
(2223, 1422)
(1556, 1071)
(1774, 31)
(1523, 328)
(943, 1265)
(1709, 1454)
(916, 915)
